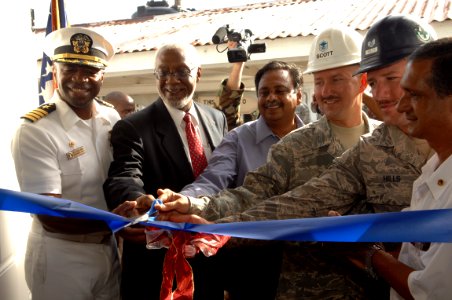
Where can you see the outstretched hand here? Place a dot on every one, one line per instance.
(135, 208)
(172, 201)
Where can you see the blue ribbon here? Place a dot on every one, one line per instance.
(57, 207)
(410, 226)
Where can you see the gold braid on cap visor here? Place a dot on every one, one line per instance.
(80, 59)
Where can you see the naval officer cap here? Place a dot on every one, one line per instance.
(77, 45)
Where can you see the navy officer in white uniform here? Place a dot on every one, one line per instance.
(62, 149)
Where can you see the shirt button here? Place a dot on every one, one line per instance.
(440, 182)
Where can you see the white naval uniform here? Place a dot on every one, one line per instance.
(63, 154)
(433, 267)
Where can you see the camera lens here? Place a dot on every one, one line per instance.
(219, 35)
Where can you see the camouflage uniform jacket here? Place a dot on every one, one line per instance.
(374, 176)
(302, 154)
(229, 104)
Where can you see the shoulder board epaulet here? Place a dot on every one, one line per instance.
(102, 102)
(39, 112)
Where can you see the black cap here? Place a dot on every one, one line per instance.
(391, 39)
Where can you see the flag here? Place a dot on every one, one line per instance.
(57, 19)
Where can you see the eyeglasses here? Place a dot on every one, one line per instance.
(178, 74)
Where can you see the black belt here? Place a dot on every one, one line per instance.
(91, 238)
(100, 237)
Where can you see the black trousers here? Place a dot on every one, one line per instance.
(251, 268)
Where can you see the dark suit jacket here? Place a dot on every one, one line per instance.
(148, 154)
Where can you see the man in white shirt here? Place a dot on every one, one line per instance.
(423, 271)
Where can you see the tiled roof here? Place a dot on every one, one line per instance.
(267, 20)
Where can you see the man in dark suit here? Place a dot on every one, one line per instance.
(151, 151)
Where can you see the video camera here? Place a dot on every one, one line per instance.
(243, 38)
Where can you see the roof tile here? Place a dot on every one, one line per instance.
(267, 20)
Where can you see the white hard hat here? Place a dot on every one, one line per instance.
(334, 47)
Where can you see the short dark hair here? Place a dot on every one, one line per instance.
(440, 52)
(294, 71)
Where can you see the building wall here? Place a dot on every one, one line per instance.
(19, 95)
(132, 73)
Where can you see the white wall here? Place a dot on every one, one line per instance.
(19, 94)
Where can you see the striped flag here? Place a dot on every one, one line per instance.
(57, 19)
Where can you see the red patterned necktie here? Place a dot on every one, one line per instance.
(197, 156)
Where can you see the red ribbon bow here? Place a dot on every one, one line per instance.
(181, 245)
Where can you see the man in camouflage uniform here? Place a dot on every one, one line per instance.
(230, 95)
(376, 175)
(231, 92)
(308, 151)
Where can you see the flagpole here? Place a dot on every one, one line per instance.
(57, 19)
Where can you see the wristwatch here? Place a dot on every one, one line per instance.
(370, 253)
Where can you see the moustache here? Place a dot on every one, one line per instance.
(273, 103)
